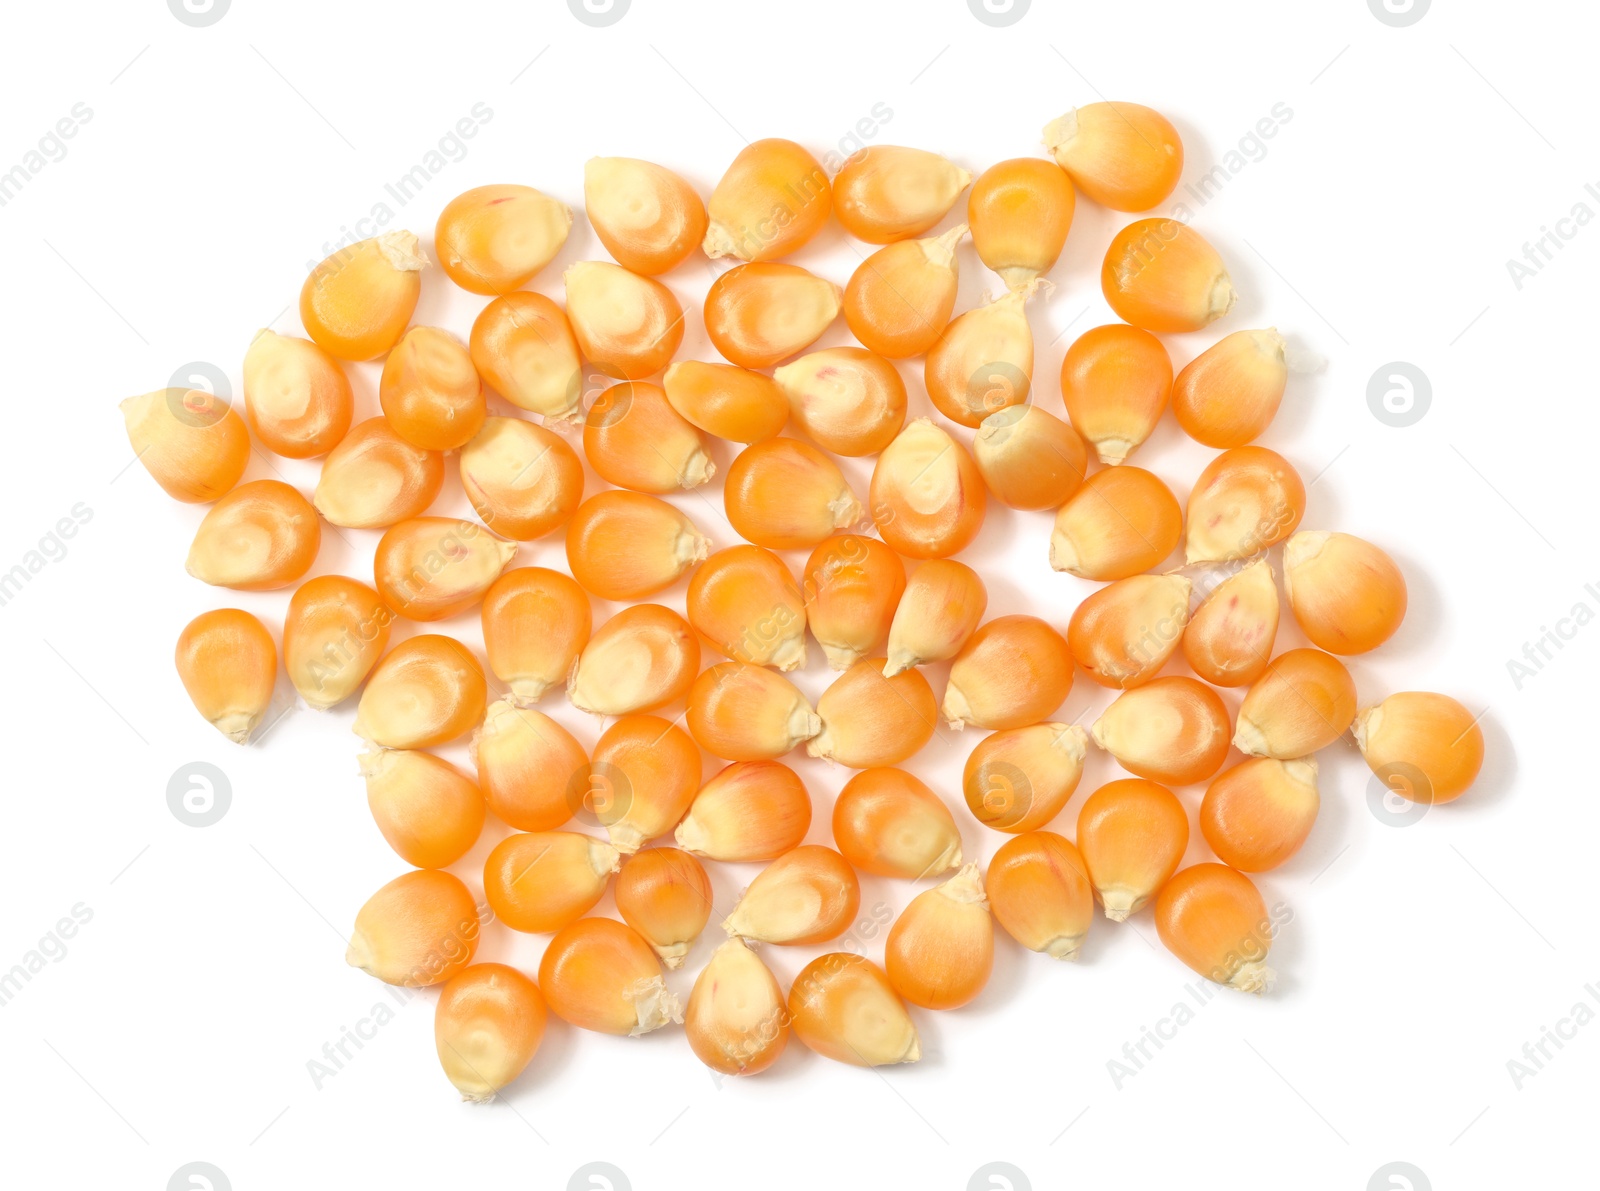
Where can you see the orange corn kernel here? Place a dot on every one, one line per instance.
(418, 930)
(846, 399)
(598, 974)
(1029, 459)
(1258, 813)
(428, 810)
(260, 536)
(809, 895)
(942, 605)
(541, 881)
(1304, 702)
(1018, 779)
(1172, 730)
(626, 325)
(759, 314)
(228, 666)
(1214, 920)
(1020, 211)
(899, 300)
(773, 198)
(375, 478)
(1014, 671)
(626, 545)
(1124, 633)
(870, 720)
(940, 950)
(843, 1007)
(1246, 500)
(727, 401)
(430, 391)
(1121, 522)
(190, 441)
(296, 397)
(426, 691)
(746, 605)
(533, 773)
(495, 239)
(523, 347)
(644, 657)
(1163, 275)
(1229, 393)
(752, 810)
(523, 480)
(741, 712)
(334, 632)
(635, 439)
(1039, 891)
(535, 623)
(928, 500)
(736, 1021)
(1423, 746)
(1229, 638)
(648, 217)
(888, 192)
(1345, 593)
(983, 361)
(1132, 834)
(430, 568)
(890, 824)
(487, 1027)
(356, 304)
(644, 774)
(852, 587)
(1115, 381)
(1122, 155)
(665, 895)
(785, 494)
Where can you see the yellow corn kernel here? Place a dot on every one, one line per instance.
(598, 974)
(852, 587)
(752, 810)
(430, 568)
(1115, 381)
(1122, 155)
(642, 658)
(426, 691)
(941, 608)
(665, 895)
(357, 302)
(1132, 834)
(1423, 746)
(430, 391)
(190, 441)
(1229, 393)
(533, 773)
(626, 545)
(773, 198)
(428, 810)
(1029, 459)
(846, 399)
(888, 823)
(928, 500)
(374, 478)
(487, 1027)
(494, 239)
(296, 397)
(418, 930)
(983, 361)
(644, 775)
(889, 192)
(1172, 730)
(1039, 891)
(759, 314)
(869, 720)
(1246, 500)
(809, 895)
(260, 536)
(522, 346)
(334, 632)
(785, 494)
(1258, 813)
(736, 1021)
(523, 481)
(1018, 779)
(1121, 522)
(1228, 641)
(228, 665)
(1214, 920)
(899, 300)
(1163, 275)
(746, 605)
(1304, 702)
(648, 218)
(940, 950)
(535, 623)
(1125, 632)
(626, 325)
(843, 1007)
(1013, 671)
(726, 401)
(634, 438)
(1020, 211)
(741, 712)
(541, 881)
(1346, 594)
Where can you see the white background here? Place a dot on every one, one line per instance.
(1373, 227)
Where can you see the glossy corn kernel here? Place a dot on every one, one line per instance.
(626, 545)
(870, 720)
(665, 895)
(843, 1007)
(430, 568)
(809, 895)
(1020, 211)
(752, 810)
(1132, 834)
(741, 712)
(648, 218)
(430, 391)
(626, 325)
(1121, 522)
(942, 605)
(260, 536)
(535, 623)
(296, 398)
(375, 478)
(1258, 813)
(1013, 671)
(1122, 155)
(1172, 730)
(773, 198)
(1115, 382)
(852, 587)
(356, 304)
(1304, 702)
(642, 658)
(1018, 779)
(1245, 501)
(983, 361)
(940, 950)
(785, 494)
(635, 439)
(334, 632)
(487, 1027)
(1163, 275)
(846, 399)
(1228, 641)
(643, 776)
(888, 823)
(1124, 633)
(1213, 919)
(228, 666)
(736, 1021)
(1029, 459)
(759, 314)
(190, 441)
(1346, 594)
(1424, 747)
(1229, 393)
(495, 239)
(928, 500)
(533, 773)
(598, 974)
(1039, 891)
(522, 345)
(726, 401)
(899, 300)
(426, 691)
(889, 192)
(541, 881)
(418, 930)
(428, 810)
(523, 480)
(746, 605)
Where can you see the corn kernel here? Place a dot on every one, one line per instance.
(1425, 747)
(296, 397)
(260, 536)
(357, 302)
(487, 1027)
(1124, 633)
(644, 775)
(431, 392)
(428, 810)
(727, 401)
(759, 314)
(430, 568)
(1247, 499)
(888, 823)
(533, 773)
(785, 494)
(1122, 155)
(634, 438)
(642, 658)
(1132, 834)
(928, 500)
(1303, 702)
(1018, 779)
(375, 478)
(1214, 920)
(746, 605)
(228, 666)
(523, 347)
(626, 545)
(741, 712)
(843, 1007)
(846, 399)
(426, 691)
(752, 810)
(541, 881)
(1013, 671)
(1115, 382)
(1228, 641)
(888, 192)
(535, 623)
(1346, 594)
(598, 974)
(1163, 275)
(944, 602)
(626, 325)
(983, 361)
(418, 930)
(940, 950)
(773, 198)
(869, 720)
(1258, 813)
(1121, 522)
(899, 300)
(495, 239)
(736, 1021)
(852, 587)
(334, 632)
(1039, 891)
(1029, 459)
(1020, 211)
(809, 895)
(523, 481)
(1172, 730)
(665, 895)
(1229, 393)
(190, 441)
(648, 218)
